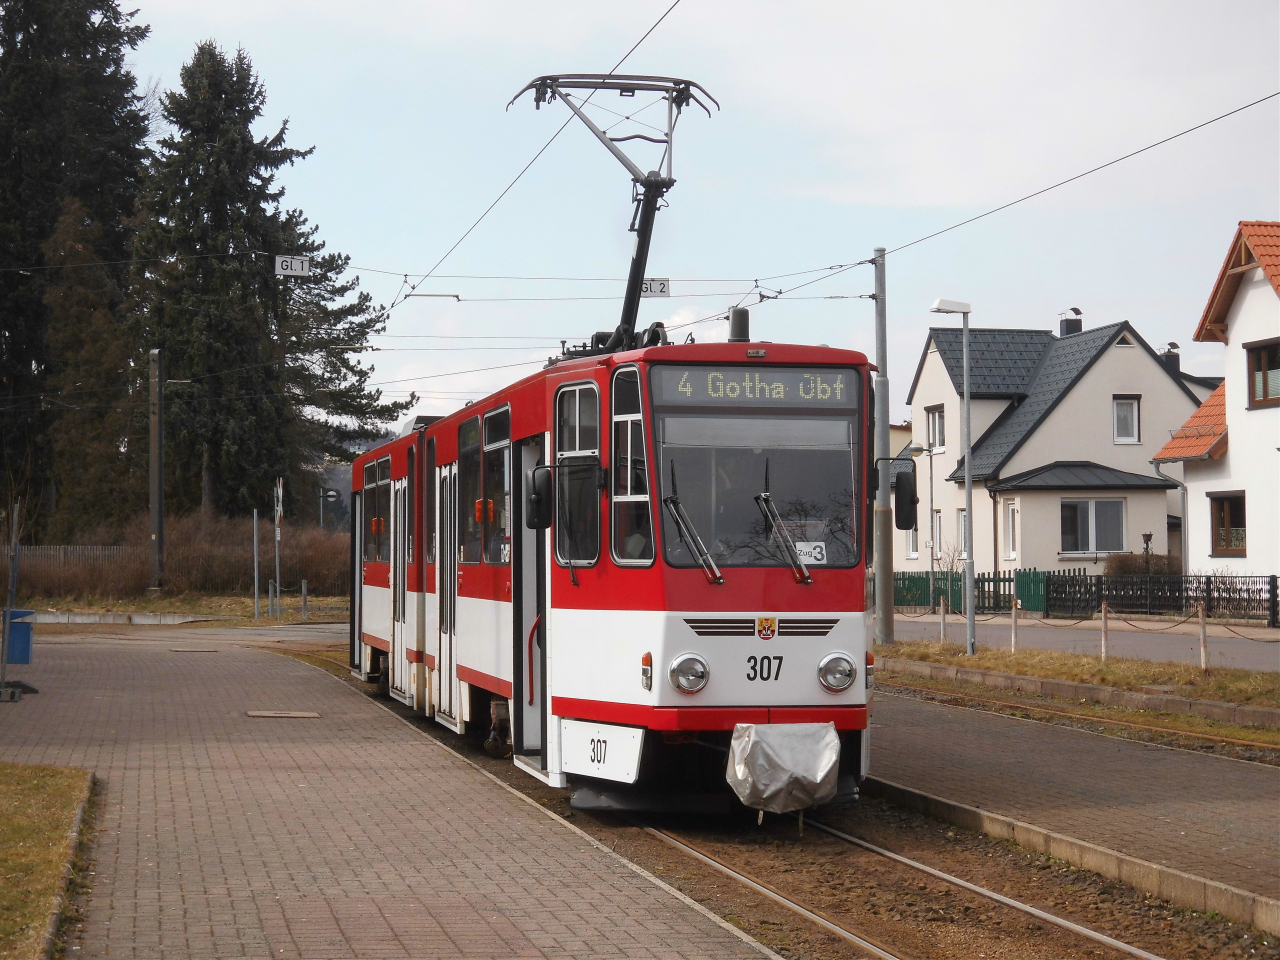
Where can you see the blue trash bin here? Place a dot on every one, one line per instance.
(19, 651)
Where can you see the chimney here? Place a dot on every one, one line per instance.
(1171, 359)
(1070, 322)
(739, 325)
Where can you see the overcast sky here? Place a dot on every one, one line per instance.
(844, 126)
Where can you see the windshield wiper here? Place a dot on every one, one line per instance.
(688, 535)
(773, 525)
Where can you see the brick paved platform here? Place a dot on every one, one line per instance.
(1205, 815)
(348, 836)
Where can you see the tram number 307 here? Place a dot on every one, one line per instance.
(599, 748)
(764, 668)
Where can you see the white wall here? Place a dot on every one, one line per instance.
(1252, 461)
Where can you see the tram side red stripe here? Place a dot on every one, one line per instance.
(377, 642)
(493, 684)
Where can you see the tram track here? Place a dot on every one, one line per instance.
(860, 938)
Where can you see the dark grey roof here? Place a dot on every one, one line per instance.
(1211, 383)
(901, 461)
(1082, 475)
(1001, 362)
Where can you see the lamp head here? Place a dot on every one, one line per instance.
(949, 306)
(916, 449)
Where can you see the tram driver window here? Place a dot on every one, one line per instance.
(383, 499)
(577, 518)
(632, 526)
(471, 536)
(495, 508)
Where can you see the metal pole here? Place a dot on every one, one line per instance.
(970, 640)
(304, 599)
(255, 563)
(279, 510)
(883, 515)
(9, 603)
(1013, 640)
(322, 506)
(157, 471)
(942, 619)
(933, 527)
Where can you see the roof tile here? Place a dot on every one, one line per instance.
(1205, 432)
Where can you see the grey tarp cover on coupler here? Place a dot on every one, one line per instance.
(780, 767)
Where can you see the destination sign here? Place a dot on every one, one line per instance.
(757, 386)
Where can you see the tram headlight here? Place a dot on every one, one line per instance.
(689, 673)
(836, 672)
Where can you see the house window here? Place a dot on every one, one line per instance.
(1011, 529)
(632, 524)
(1226, 511)
(936, 425)
(1264, 373)
(913, 542)
(961, 529)
(1092, 526)
(1126, 426)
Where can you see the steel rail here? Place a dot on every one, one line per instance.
(893, 685)
(989, 894)
(870, 946)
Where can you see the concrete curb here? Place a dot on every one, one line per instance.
(1070, 690)
(1181, 889)
(153, 619)
(60, 899)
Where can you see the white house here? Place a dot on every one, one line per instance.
(1230, 449)
(1064, 428)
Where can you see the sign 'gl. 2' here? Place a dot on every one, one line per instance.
(293, 266)
(655, 287)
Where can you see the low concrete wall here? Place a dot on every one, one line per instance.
(1069, 690)
(1181, 889)
(65, 616)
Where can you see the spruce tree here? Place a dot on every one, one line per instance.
(274, 384)
(70, 126)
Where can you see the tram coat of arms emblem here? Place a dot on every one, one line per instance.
(766, 627)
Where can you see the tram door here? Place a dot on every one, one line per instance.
(529, 596)
(447, 593)
(399, 681)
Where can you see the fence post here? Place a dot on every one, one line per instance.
(1204, 643)
(1013, 641)
(942, 620)
(304, 599)
(1104, 631)
(255, 563)
(1273, 613)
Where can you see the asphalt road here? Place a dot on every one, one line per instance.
(1124, 641)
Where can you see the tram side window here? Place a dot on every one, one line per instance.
(370, 498)
(410, 491)
(429, 500)
(577, 483)
(471, 535)
(496, 506)
(384, 510)
(632, 526)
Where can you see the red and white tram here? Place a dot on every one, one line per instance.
(615, 560)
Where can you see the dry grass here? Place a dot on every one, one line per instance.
(1256, 688)
(202, 556)
(37, 808)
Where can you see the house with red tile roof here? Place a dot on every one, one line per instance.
(1229, 449)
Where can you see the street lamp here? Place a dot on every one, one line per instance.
(970, 641)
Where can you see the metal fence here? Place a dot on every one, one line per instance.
(992, 592)
(1227, 598)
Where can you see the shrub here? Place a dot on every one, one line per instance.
(1119, 564)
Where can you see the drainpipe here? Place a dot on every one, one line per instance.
(995, 529)
(1183, 532)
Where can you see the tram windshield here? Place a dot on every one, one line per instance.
(727, 435)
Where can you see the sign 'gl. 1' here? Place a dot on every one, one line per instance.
(293, 266)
